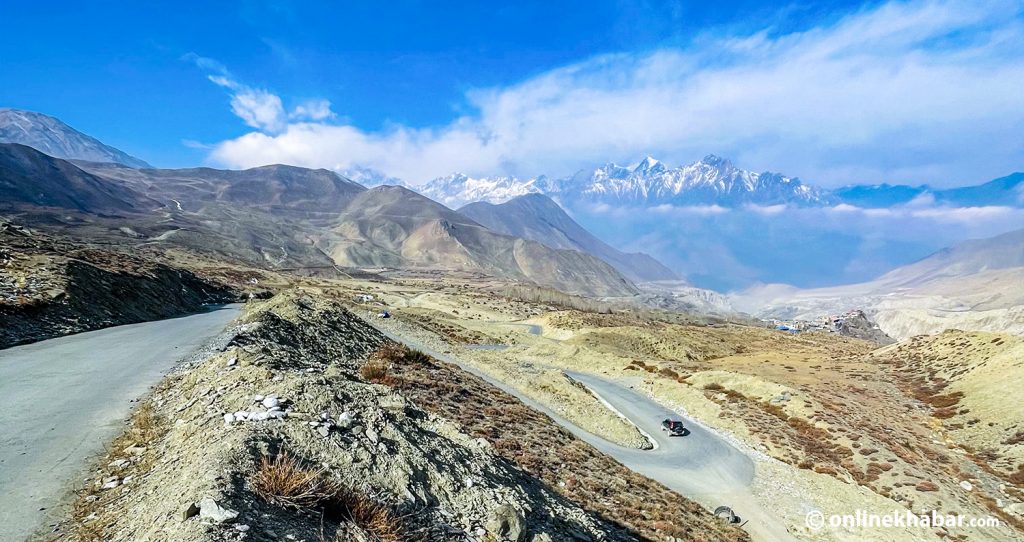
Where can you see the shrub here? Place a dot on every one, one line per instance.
(713, 386)
(374, 371)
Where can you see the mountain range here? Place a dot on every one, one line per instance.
(290, 217)
(712, 180)
(277, 216)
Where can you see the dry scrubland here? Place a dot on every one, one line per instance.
(377, 444)
(836, 422)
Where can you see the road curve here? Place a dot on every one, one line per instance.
(702, 465)
(66, 398)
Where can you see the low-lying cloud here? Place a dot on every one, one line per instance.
(922, 91)
(731, 249)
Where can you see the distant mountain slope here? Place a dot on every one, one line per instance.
(51, 136)
(967, 258)
(29, 177)
(976, 286)
(1007, 191)
(293, 192)
(395, 227)
(538, 218)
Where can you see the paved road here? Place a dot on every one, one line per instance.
(702, 465)
(65, 398)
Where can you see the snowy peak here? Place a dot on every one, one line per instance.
(50, 136)
(370, 177)
(712, 180)
(458, 189)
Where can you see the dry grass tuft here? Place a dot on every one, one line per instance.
(284, 481)
(372, 517)
(374, 371)
(146, 426)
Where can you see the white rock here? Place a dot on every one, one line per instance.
(241, 528)
(270, 401)
(276, 414)
(257, 399)
(232, 362)
(966, 485)
(111, 484)
(258, 416)
(241, 415)
(209, 509)
(119, 463)
(229, 419)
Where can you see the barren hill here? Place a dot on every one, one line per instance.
(538, 218)
(29, 177)
(396, 227)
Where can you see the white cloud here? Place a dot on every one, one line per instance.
(925, 91)
(318, 109)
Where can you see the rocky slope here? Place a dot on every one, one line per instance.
(204, 458)
(538, 218)
(31, 178)
(53, 137)
(50, 288)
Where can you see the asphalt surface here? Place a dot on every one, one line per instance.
(65, 398)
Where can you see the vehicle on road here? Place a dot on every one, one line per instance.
(674, 427)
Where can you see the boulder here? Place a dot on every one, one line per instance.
(506, 523)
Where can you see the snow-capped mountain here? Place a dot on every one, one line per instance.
(709, 181)
(456, 190)
(370, 177)
(51, 136)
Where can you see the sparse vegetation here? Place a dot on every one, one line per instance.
(284, 481)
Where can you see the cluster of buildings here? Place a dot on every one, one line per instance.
(829, 323)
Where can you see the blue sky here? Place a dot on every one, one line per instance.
(831, 91)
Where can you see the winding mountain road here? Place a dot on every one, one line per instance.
(67, 397)
(702, 465)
